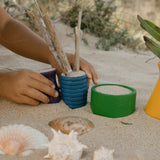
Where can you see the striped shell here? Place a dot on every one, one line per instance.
(69, 123)
(20, 140)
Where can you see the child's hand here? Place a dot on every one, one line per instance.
(86, 67)
(26, 87)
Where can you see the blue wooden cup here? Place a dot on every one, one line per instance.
(74, 90)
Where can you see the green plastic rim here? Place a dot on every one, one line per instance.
(113, 106)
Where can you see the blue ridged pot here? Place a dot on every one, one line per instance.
(74, 90)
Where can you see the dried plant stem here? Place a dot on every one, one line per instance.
(39, 27)
(63, 58)
(39, 10)
(150, 59)
(76, 57)
(77, 34)
(79, 19)
(43, 33)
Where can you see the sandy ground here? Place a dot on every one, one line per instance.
(138, 141)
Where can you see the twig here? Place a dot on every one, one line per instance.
(56, 43)
(39, 27)
(126, 123)
(76, 57)
(63, 58)
(77, 34)
(79, 19)
(150, 59)
(44, 34)
(39, 10)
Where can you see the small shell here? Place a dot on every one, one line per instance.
(67, 124)
(20, 140)
(103, 154)
(65, 147)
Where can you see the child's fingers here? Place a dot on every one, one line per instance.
(94, 74)
(49, 90)
(36, 95)
(88, 82)
(89, 70)
(39, 77)
(27, 100)
(86, 69)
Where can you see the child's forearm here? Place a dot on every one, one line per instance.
(18, 38)
(21, 40)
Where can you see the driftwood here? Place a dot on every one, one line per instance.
(39, 27)
(76, 57)
(41, 31)
(79, 20)
(61, 56)
(77, 34)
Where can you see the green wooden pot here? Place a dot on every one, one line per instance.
(113, 106)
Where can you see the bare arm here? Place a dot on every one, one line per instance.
(24, 86)
(21, 40)
(27, 86)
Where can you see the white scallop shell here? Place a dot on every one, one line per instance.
(20, 140)
(65, 147)
(103, 154)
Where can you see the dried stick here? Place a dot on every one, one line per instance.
(55, 41)
(77, 32)
(39, 27)
(63, 58)
(79, 19)
(76, 57)
(150, 59)
(39, 10)
(44, 34)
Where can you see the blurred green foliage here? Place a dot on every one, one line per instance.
(98, 20)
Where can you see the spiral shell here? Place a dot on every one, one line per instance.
(20, 140)
(65, 147)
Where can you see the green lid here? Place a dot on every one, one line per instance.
(110, 105)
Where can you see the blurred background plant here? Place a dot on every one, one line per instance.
(97, 19)
(154, 31)
(113, 22)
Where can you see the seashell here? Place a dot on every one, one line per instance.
(65, 147)
(69, 123)
(103, 154)
(20, 140)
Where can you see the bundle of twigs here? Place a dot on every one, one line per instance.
(49, 34)
(61, 56)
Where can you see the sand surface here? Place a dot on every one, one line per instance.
(135, 137)
(113, 90)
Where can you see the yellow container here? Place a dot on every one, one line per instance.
(153, 105)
